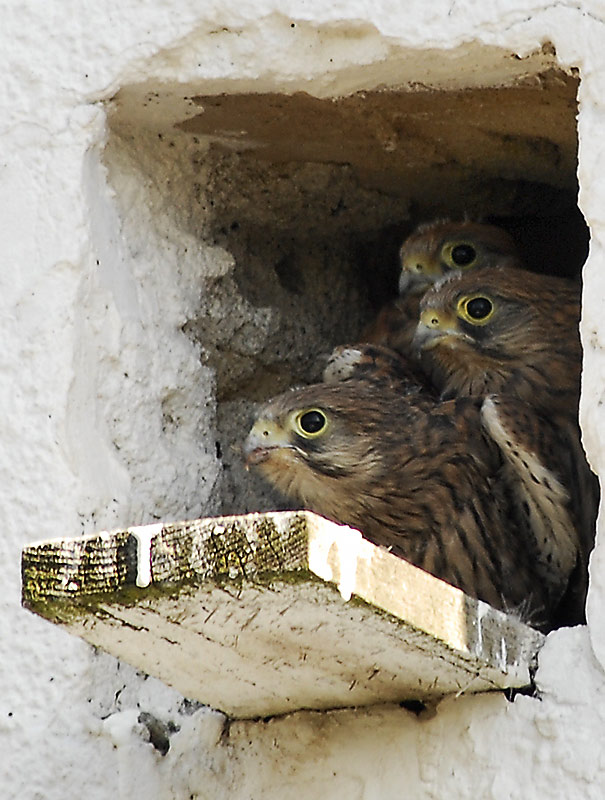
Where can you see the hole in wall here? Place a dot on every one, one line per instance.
(304, 202)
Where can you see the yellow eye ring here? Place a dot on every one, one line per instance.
(476, 309)
(310, 423)
(459, 255)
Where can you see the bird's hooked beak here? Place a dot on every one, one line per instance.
(265, 437)
(418, 273)
(434, 326)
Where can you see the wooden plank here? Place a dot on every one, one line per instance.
(263, 614)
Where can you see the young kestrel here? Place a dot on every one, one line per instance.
(433, 250)
(513, 335)
(415, 475)
(377, 365)
(503, 331)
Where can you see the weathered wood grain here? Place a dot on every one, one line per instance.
(268, 613)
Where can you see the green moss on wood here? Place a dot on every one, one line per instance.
(213, 550)
(70, 610)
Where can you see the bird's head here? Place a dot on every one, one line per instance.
(319, 442)
(285, 434)
(442, 247)
(518, 325)
(374, 365)
(452, 322)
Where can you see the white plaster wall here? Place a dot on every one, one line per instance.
(94, 367)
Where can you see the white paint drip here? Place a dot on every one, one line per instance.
(347, 552)
(503, 655)
(144, 534)
(334, 557)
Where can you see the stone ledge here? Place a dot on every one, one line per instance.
(264, 614)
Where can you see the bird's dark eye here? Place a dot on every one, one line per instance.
(463, 255)
(479, 307)
(476, 309)
(312, 422)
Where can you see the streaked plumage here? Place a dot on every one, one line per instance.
(415, 475)
(513, 335)
(503, 331)
(377, 365)
(433, 250)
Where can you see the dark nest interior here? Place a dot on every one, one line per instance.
(311, 198)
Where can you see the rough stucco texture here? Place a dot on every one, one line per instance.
(109, 400)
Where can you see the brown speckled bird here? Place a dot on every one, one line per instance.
(433, 250)
(503, 331)
(513, 335)
(377, 365)
(415, 475)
